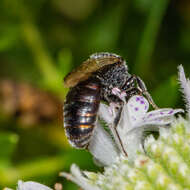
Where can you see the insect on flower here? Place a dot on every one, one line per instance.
(97, 79)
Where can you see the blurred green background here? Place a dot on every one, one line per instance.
(42, 40)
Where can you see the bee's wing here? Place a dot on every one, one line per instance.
(87, 68)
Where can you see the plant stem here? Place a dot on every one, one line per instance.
(33, 39)
(148, 40)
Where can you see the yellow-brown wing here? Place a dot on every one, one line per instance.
(91, 65)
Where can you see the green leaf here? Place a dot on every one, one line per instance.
(104, 33)
(8, 142)
(167, 93)
(149, 37)
(9, 36)
(65, 61)
(46, 166)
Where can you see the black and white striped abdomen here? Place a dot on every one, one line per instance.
(80, 111)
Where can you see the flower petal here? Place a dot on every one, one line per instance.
(132, 113)
(102, 146)
(30, 185)
(185, 87)
(134, 140)
(137, 106)
(132, 132)
(160, 116)
(79, 178)
(105, 114)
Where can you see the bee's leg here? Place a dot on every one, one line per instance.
(117, 109)
(130, 83)
(142, 87)
(135, 85)
(112, 121)
(102, 146)
(116, 134)
(131, 92)
(117, 100)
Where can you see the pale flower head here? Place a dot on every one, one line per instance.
(134, 121)
(117, 148)
(30, 185)
(126, 136)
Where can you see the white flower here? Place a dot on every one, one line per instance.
(185, 88)
(164, 166)
(128, 132)
(30, 185)
(79, 177)
(127, 135)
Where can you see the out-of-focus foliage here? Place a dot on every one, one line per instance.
(42, 40)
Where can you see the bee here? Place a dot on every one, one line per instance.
(92, 82)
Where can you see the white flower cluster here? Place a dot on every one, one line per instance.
(128, 134)
(165, 165)
(117, 149)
